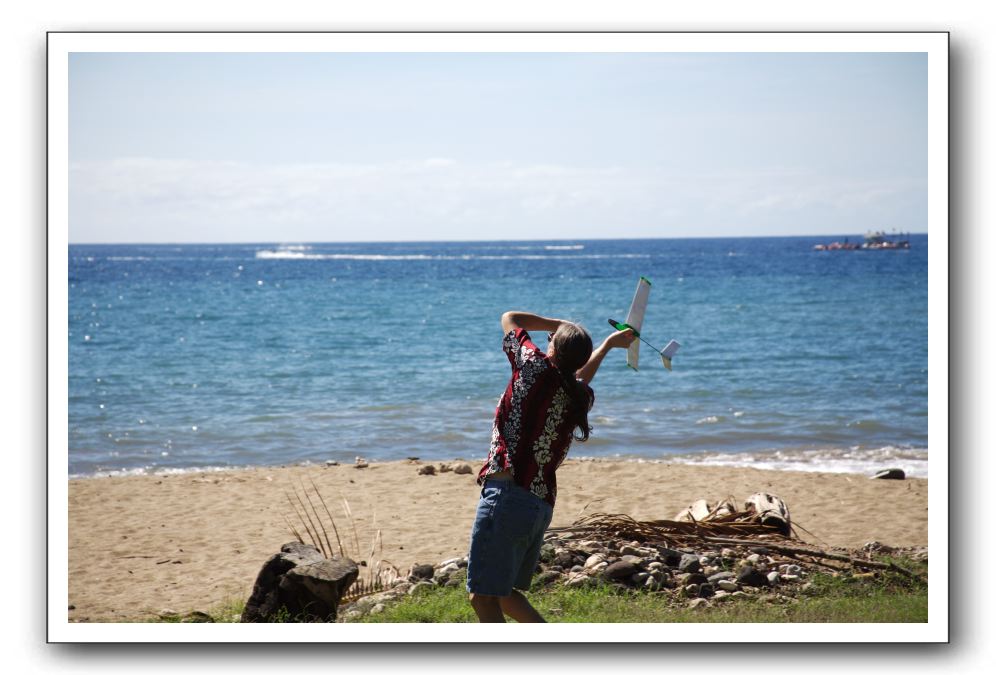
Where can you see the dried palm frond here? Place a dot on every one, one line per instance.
(668, 532)
(373, 577)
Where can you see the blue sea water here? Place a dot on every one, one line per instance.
(197, 356)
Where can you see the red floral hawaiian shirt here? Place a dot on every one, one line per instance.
(532, 432)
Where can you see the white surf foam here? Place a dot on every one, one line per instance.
(913, 461)
(284, 254)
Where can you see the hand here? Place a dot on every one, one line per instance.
(622, 339)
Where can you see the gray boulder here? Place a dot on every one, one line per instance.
(689, 563)
(752, 577)
(423, 572)
(622, 569)
(299, 585)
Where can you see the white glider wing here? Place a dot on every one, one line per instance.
(635, 319)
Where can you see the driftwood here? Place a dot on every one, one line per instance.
(771, 510)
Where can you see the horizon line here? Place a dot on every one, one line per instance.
(470, 241)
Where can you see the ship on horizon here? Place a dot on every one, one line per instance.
(874, 241)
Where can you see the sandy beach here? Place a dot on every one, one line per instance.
(139, 545)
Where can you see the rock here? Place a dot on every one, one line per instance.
(698, 603)
(655, 565)
(692, 591)
(593, 560)
(577, 569)
(422, 571)
(421, 587)
(361, 463)
(196, 617)
(891, 474)
(331, 462)
(754, 558)
(774, 577)
(563, 558)
(789, 577)
(445, 468)
(877, 547)
(696, 579)
(689, 563)
(378, 608)
(621, 569)
(670, 557)
(719, 576)
(727, 585)
(720, 595)
(728, 553)
(548, 553)
(427, 470)
(628, 550)
(72, 607)
(707, 590)
(751, 577)
(581, 579)
(301, 582)
(789, 569)
(453, 582)
(463, 469)
(640, 578)
(459, 562)
(546, 578)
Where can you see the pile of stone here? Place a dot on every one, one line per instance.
(696, 578)
(726, 573)
(716, 574)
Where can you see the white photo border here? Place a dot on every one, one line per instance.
(62, 44)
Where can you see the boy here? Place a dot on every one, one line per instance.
(545, 406)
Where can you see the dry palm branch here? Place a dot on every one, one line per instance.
(672, 533)
(316, 525)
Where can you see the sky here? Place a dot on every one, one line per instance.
(218, 148)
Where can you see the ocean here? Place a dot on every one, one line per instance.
(201, 357)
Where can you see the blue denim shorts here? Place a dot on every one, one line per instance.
(506, 538)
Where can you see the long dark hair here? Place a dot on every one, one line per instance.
(572, 348)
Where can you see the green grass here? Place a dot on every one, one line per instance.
(889, 598)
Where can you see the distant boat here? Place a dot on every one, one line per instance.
(874, 241)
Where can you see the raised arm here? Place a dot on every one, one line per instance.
(527, 321)
(622, 339)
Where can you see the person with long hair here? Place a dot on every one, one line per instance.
(544, 407)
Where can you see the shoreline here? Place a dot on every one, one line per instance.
(770, 460)
(141, 544)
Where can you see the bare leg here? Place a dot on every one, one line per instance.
(518, 607)
(487, 608)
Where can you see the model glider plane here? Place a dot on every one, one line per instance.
(634, 320)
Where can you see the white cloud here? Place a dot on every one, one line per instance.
(138, 199)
